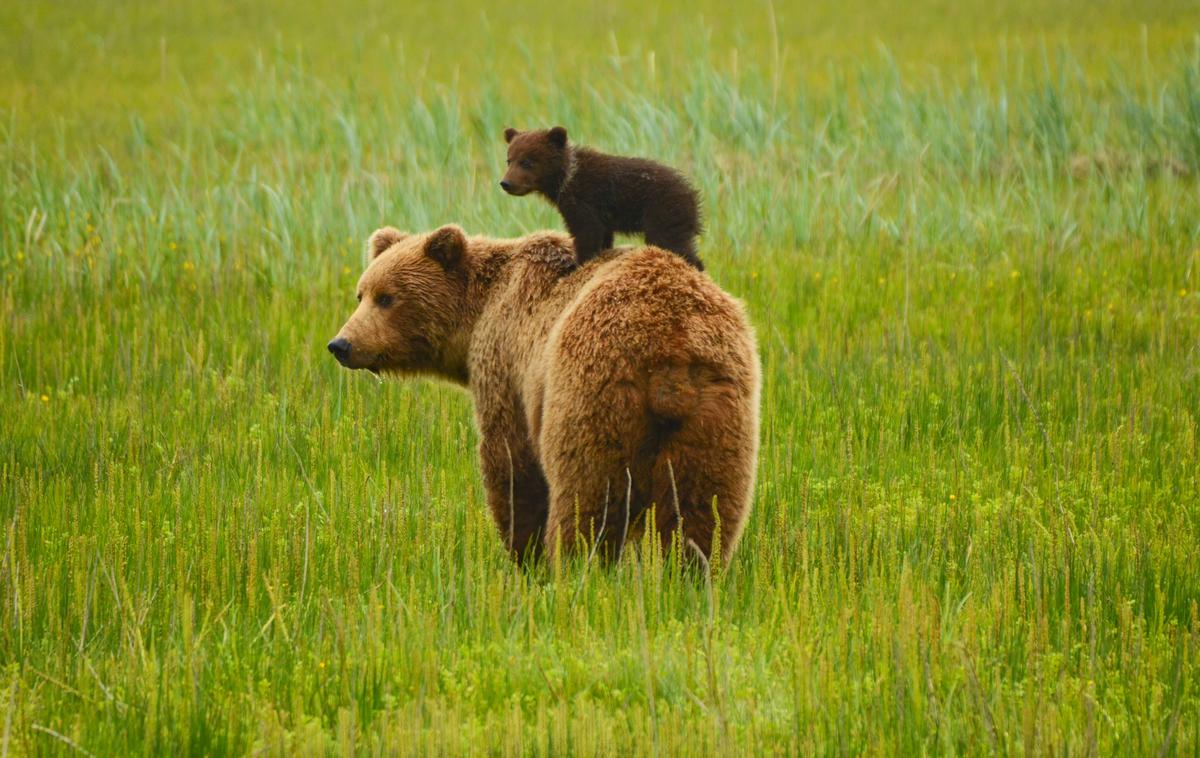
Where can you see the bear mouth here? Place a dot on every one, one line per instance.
(516, 191)
(378, 365)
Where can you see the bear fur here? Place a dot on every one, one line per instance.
(608, 397)
(599, 194)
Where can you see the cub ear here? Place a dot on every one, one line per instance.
(509, 133)
(446, 246)
(558, 136)
(382, 239)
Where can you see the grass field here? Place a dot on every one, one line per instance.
(968, 235)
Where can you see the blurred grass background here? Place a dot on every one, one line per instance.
(87, 66)
(968, 234)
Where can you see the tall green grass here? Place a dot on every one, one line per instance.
(971, 256)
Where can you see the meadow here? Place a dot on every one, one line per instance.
(968, 235)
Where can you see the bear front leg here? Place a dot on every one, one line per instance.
(517, 493)
(590, 235)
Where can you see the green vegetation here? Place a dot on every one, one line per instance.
(969, 237)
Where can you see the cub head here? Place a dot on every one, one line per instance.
(411, 306)
(537, 160)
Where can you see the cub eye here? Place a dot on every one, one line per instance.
(358, 297)
(383, 301)
(526, 164)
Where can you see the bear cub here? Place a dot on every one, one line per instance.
(599, 194)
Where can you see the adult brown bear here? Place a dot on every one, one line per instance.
(609, 396)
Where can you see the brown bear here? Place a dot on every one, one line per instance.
(599, 194)
(608, 397)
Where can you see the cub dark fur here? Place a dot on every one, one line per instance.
(599, 194)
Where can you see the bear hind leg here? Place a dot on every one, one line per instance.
(702, 482)
(680, 242)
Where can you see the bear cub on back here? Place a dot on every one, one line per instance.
(599, 194)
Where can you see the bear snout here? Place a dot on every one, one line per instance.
(516, 183)
(340, 347)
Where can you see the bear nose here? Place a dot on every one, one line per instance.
(506, 185)
(340, 347)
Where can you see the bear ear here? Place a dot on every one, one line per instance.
(558, 136)
(382, 239)
(446, 246)
(509, 133)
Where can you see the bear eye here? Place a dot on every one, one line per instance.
(358, 297)
(526, 164)
(383, 301)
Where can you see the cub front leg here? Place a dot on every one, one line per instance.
(589, 233)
